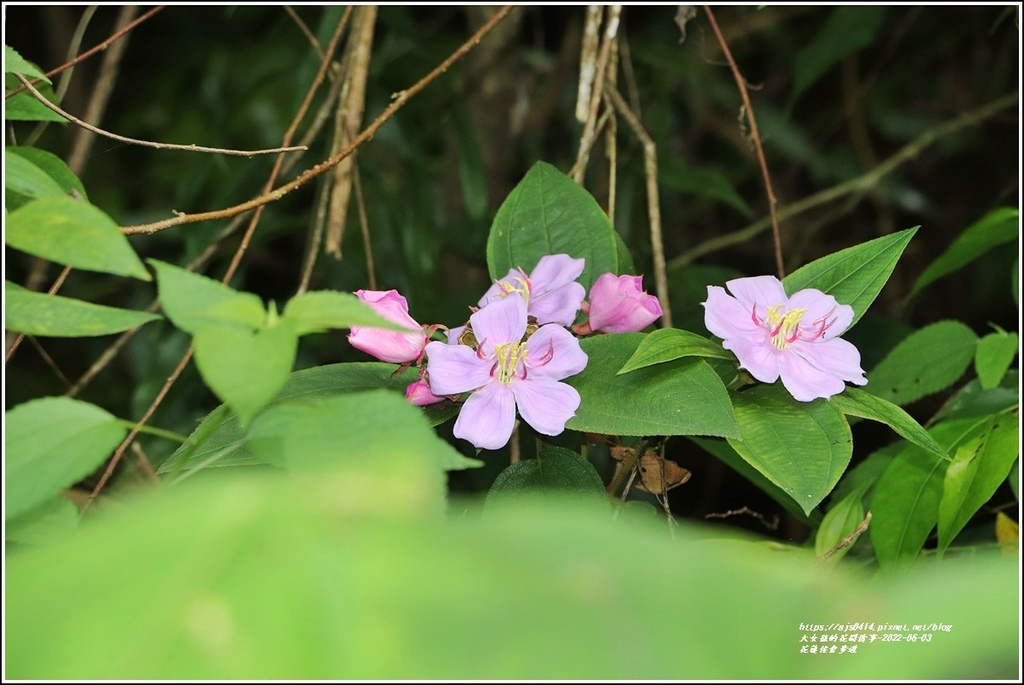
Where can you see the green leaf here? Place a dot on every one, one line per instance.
(979, 467)
(848, 30)
(722, 451)
(684, 397)
(855, 402)
(73, 232)
(25, 107)
(50, 444)
(666, 344)
(557, 469)
(322, 310)
(853, 276)
(219, 440)
(53, 166)
(840, 521)
(993, 357)
(548, 213)
(905, 502)
(868, 471)
(25, 178)
(14, 63)
(191, 301)
(53, 520)
(244, 368)
(998, 227)
(802, 447)
(319, 577)
(709, 183)
(320, 434)
(927, 361)
(35, 313)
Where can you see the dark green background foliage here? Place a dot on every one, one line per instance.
(836, 91)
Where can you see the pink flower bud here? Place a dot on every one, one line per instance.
(618, 304)
(389, 346)
(419, 393)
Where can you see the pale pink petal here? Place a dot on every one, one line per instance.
(553, 272)
(764, 291)
(559, 305)
(389, 304)
(418, 392)
(487, 417)
(554, 353)
(618, 304)
(820, 308)
(497, 292)
(805, 382)
(757, 356)
(725, 316)
(502, 321)
(455, 369)
(389, 346)
(837, 357)
(546, 404)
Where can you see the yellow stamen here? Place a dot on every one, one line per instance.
(509, 356)
(784, 327)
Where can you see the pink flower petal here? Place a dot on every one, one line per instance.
(502, 321)
(837, 357)
(725, 316)
(805, 382)
(758, 357)
(496, 292)
(455, 369)
(618, 304)
(764, 291)
(554, 353)
(818, 306)
(546, 405)
(487, 417)
(558, 306)
(554, 271)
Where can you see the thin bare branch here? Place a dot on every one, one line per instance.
(146, 143)
(611, 31)
(400, 99)
(741, 84)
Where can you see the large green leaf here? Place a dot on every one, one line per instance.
(191, 300)
(548, 213)
(993, 357)
(684, 397)
(73, 232)
(853, 276)
(855, 402)
(25, 107)
(802, 447)
(905, 502)
(319, 434)
(556, 469)
(50, 165)
(219, 440)
(35, 313)
(848, 30)
(25, 178)
(322, 310)
(927, 361)
(14, 63)
(53, 520)
(666, 344)
(50, 444)
(980, 466)
(330, 576)
(245, 368)
(998, 227)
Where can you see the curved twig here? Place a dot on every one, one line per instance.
(147, 143)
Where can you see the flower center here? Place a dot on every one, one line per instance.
(521, 284)
(509, 357)
(784, 327)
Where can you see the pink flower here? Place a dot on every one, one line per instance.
(389, 346)
(795, 338)
(551, 292)
(418, 392)
(618, 304)
(505, 373)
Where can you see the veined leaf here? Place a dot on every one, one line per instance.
(993, 357)
(998, 227)
(927, 361)
(192, 301)
(50, 444)
(556, 468)
(35, 313)
(684, 397)
(666, 344)
(855, 402)
(73, 232)
(853, 276)
(802, 447)
(548, 213)
(25, 178)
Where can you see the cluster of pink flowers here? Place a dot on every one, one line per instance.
(515, 350)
